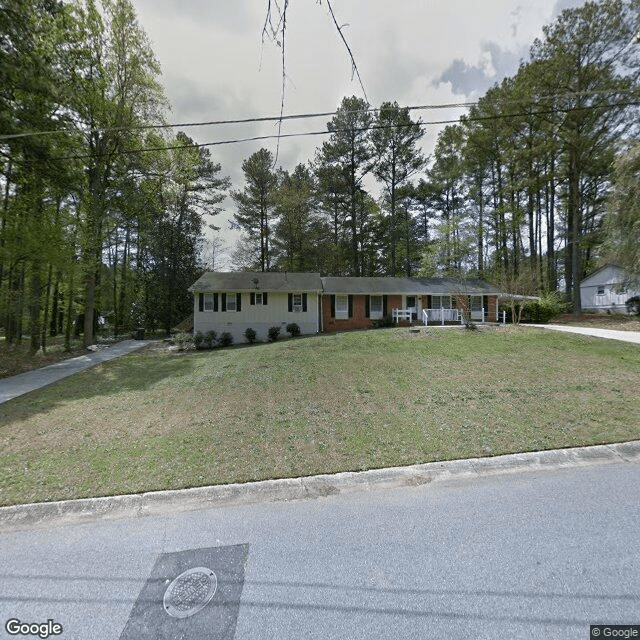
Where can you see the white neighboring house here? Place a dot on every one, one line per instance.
(604, 290)
(234, 302)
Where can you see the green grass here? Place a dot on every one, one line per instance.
(351, 401)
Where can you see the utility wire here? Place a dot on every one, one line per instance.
(357, 129)
(298, 116)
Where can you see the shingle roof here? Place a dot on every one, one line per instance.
(267, 281)
(412, 286)
(286, 281)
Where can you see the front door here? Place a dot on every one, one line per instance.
(411, 304)
(476, 308)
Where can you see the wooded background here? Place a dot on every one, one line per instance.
(103, 209)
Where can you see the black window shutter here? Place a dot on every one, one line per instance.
(485, 304)
(304, 301)
(367, 306)
(350, 305)
(264, 298)
(290, 302)
(201, 302)
(224, 301)
(215, 301)
(333, 306)
(384, 305)
(252, 298)
(429, 302)
(238, 302)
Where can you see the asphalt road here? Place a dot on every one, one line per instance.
(536, 554)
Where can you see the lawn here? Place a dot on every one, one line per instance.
(351, 401)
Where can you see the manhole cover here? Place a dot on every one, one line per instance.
(190, 592)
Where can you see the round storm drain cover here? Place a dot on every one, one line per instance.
(190, 592)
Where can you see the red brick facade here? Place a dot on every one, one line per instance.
(358, 318)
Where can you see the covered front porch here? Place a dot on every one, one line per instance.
(447, 309)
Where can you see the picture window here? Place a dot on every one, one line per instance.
(342, 306)
(375, 307)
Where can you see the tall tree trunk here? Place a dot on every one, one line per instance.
(551, 233)
(69, 317)
(45, 319)
(574, 215)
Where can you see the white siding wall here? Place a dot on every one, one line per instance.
(257, 317)
(608, 279)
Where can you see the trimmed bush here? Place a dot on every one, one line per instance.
(633, 305)
(293, 329)
(385, 321)
(225, 340)
(541, 311)
(273, 333)
(204, 341)
(212, 336)
(185, 341)
(250, 335)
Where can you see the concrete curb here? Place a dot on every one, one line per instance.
(158, 502)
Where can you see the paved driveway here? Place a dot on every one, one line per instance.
(25, 382)
(625, 336)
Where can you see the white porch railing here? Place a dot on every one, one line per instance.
(401, 314)
(441, 315)
(454, 315)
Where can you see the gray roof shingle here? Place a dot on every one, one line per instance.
(411, 286)
(285, 281)
(257, 281)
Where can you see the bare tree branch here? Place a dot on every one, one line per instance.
(354, 66)
(276, 30)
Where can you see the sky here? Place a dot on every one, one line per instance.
(216, 66)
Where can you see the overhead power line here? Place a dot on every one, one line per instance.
(297, 116)
(325, 132)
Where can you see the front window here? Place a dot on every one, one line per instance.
(208, 301)
(342, 307)
(601, 291)
(443, 302)
(297, 302)
(375, 307)
(231, 301)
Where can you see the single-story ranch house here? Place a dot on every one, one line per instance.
(604, 290)
(234, 302)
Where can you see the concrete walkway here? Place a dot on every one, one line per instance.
(31, 380)
(610, 334)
